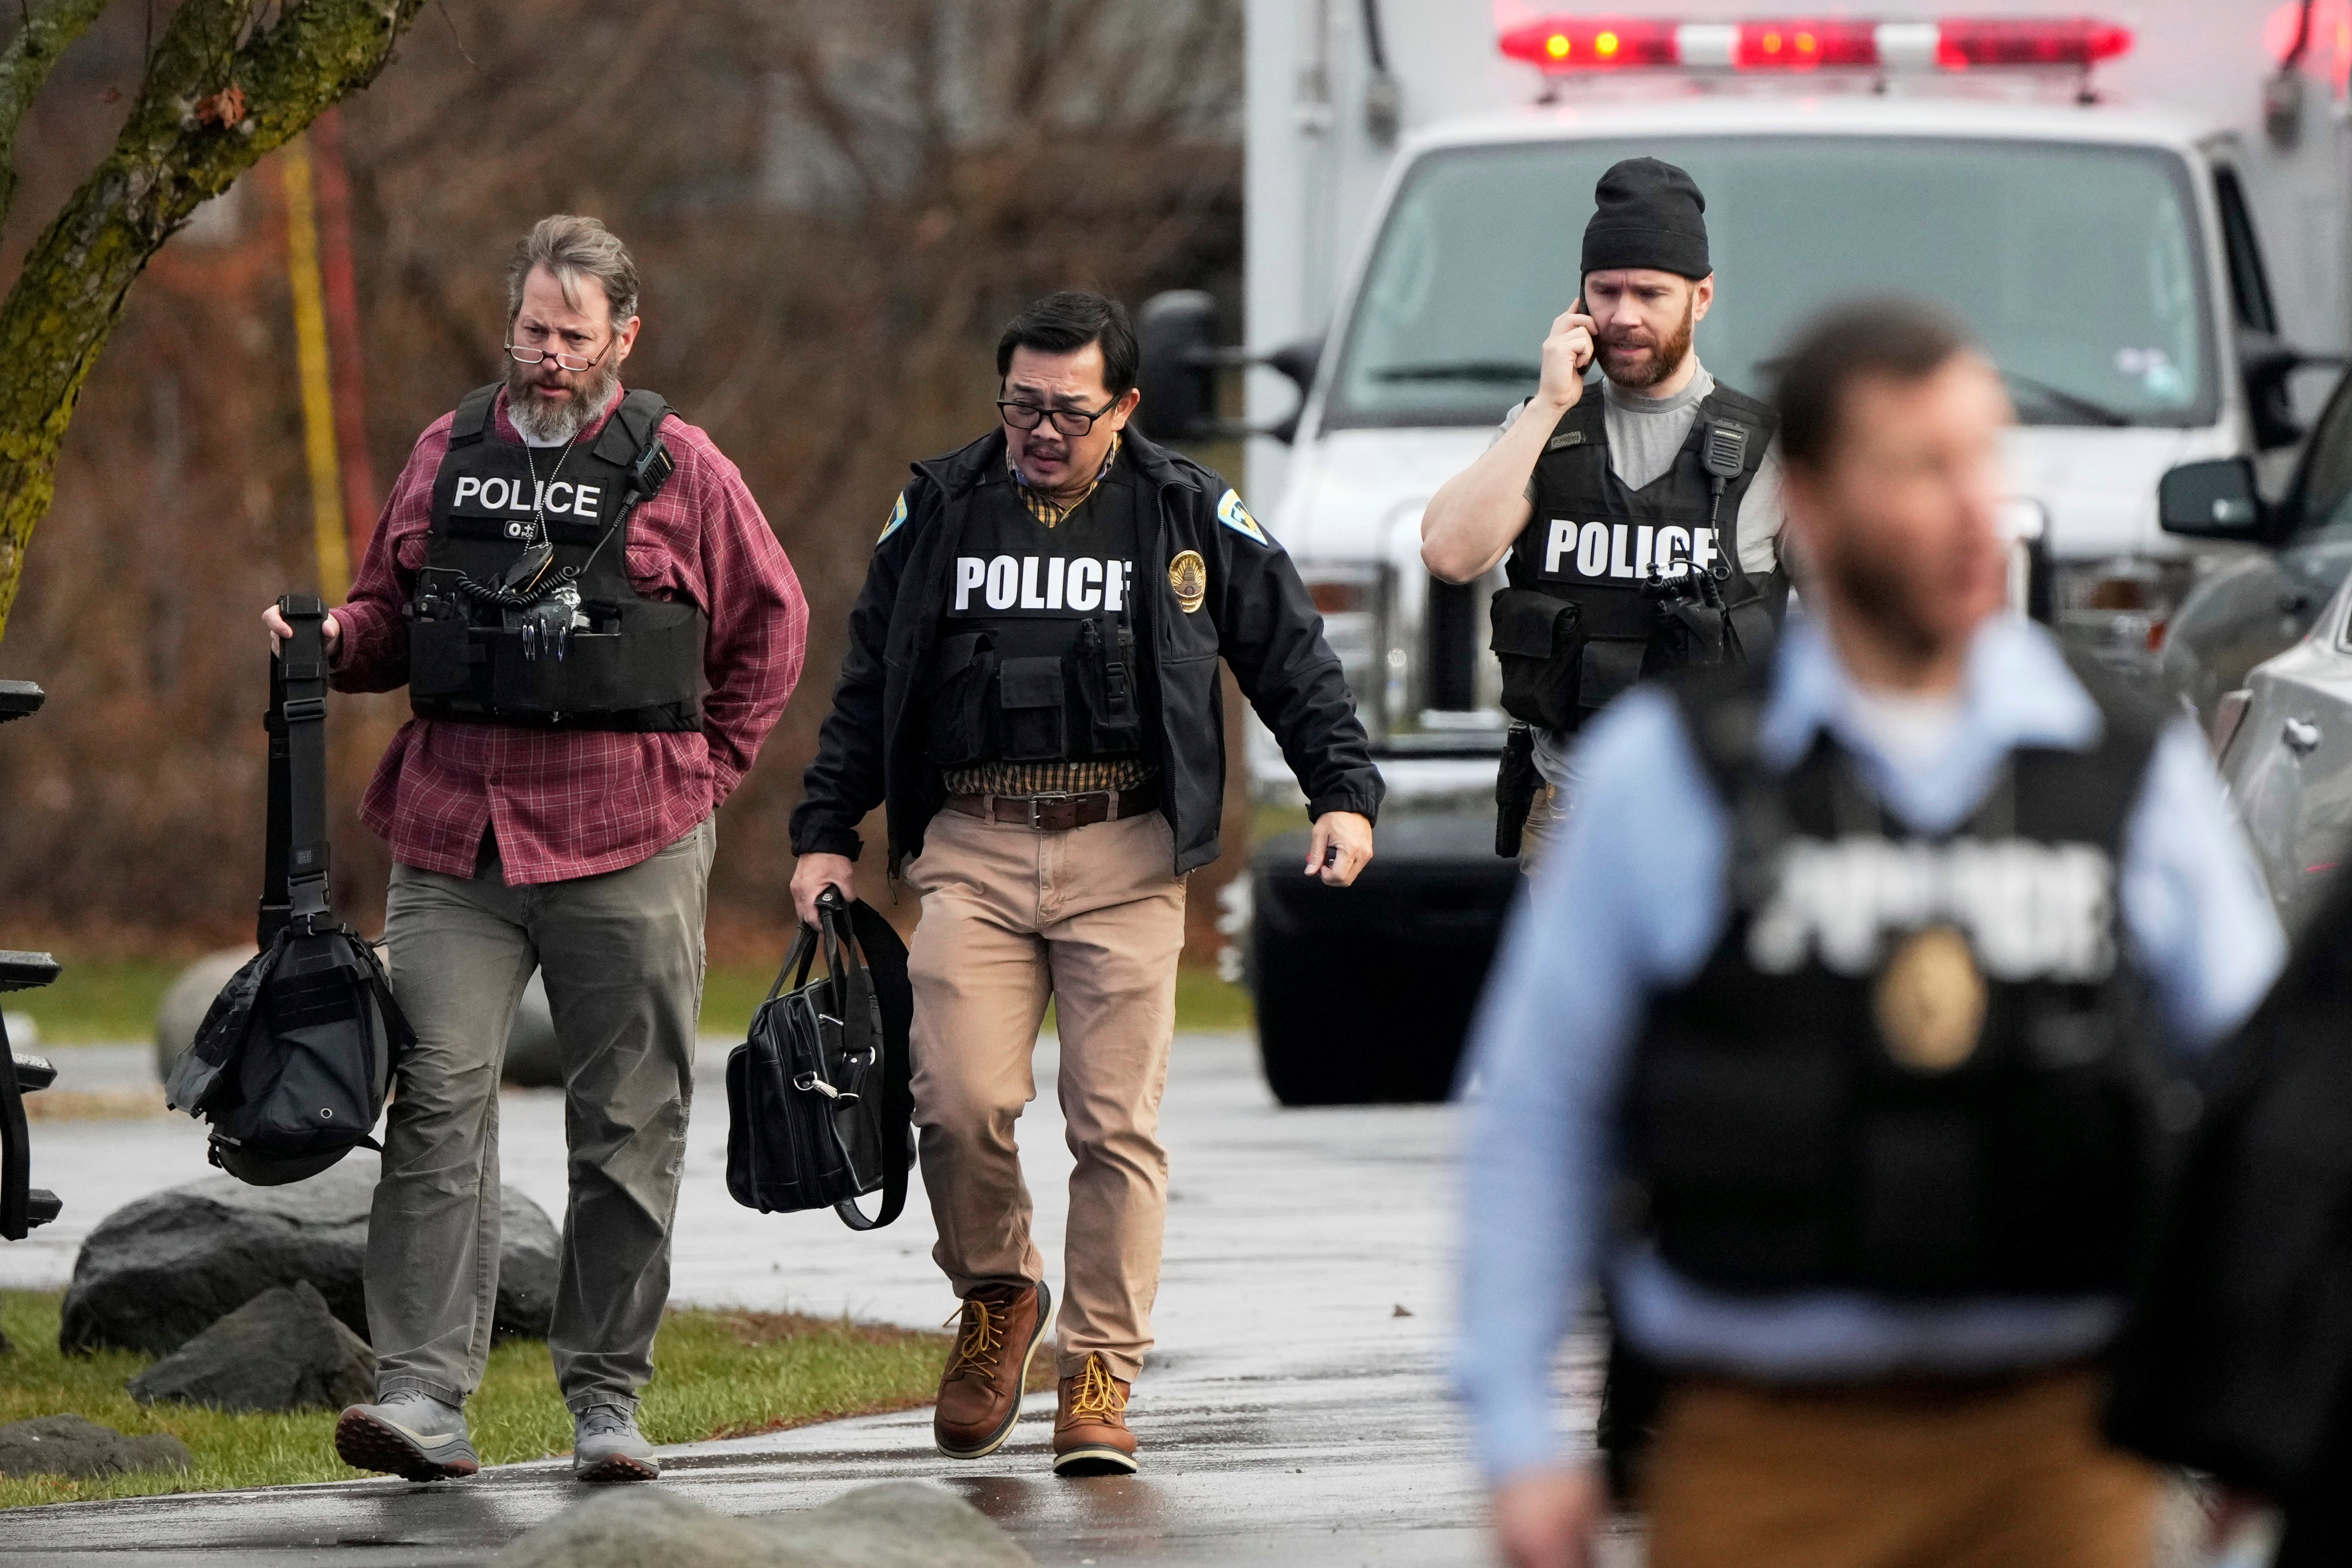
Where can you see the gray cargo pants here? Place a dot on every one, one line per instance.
(622, 956)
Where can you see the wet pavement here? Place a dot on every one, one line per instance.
(1293, 1414)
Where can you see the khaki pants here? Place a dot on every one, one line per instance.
(1094, 917)
(621, 954)
(1547, 819)
(2012, 1475)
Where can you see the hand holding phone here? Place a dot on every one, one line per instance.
(1566, 352)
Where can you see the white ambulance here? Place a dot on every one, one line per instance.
(2143, 216)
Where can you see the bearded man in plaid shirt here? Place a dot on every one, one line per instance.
(597, 629)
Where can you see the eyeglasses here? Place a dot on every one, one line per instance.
(563, 362)
(1068, 421)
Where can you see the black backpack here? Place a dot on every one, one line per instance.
(817, 1097)
(292, 1063)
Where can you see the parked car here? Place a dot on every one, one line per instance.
(2284, 742)
(2249, 606)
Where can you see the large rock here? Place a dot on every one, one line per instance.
(157, 1272)
(77, 1446)
(281, 1351)
(900, 1524)
(645, 1527)
(897, 1524)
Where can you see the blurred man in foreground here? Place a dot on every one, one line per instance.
(596, 630)
(1836, 1048)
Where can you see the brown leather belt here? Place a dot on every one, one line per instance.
(1059, 812)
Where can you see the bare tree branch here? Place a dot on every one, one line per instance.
(25, 65)
(206, 111)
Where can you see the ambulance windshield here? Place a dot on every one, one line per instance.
(2077, 265)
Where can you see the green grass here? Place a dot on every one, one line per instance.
(98, 999)
(1205, 1002)
(732, 993)
(115, 1000)
(717, 1374)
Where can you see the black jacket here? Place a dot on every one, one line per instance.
(2238, 1358)
(1257, 616)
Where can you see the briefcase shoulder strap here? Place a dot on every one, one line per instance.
(874, 973)
(295, 858)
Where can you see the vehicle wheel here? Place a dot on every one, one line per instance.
(1364, 993)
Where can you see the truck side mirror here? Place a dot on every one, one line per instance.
(2213, 499)
(1179, 374)
(1298, 359)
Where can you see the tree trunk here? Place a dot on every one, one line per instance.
(217, 96)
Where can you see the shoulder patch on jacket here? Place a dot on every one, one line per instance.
(1235, 516)
(897, 520)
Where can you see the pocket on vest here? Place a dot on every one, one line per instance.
(961, 700)
(442, 658)
(1539, 640)
(1031, 699)
(1105, 672)
(1608, 667)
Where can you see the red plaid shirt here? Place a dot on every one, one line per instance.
(574, 803)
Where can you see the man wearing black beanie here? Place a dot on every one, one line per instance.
(1641, 527)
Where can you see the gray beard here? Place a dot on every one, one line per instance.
(553, 423)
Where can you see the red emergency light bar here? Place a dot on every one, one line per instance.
(1559, 44)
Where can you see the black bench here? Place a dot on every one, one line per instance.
(22, 1205)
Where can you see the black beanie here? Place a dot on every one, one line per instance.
(1647, 214)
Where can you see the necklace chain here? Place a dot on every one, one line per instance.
(538, 490)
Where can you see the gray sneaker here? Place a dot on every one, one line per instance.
(607, 1447)
(410, 1435)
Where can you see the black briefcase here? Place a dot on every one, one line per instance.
(817, 1097)
(293, 1061)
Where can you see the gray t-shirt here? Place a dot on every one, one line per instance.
(1644, 434)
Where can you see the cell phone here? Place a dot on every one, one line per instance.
(1330, 855)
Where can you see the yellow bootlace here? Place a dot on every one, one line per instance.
(981, 1341)
(1097, 1396)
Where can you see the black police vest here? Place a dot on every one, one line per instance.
(1037, 659)
(1911, 1066)
(503, 632)
(1605, 581)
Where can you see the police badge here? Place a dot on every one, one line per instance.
(1931, 1001)
(1188, 577)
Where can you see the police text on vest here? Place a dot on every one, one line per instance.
(1625, 550)
(500, 493)
(1083, 584)
(2032, 911)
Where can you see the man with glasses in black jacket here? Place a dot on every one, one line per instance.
(1032, 689)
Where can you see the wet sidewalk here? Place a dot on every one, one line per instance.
(1294, 1412)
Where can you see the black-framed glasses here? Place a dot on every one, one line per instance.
(1068, 421)
(563, 362)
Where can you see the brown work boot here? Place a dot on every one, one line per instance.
(1090, 1435)
(979, 1393)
